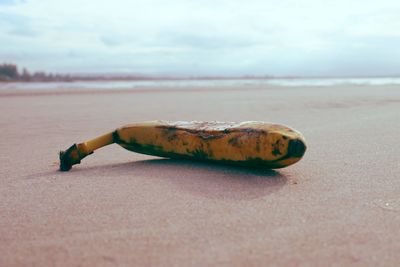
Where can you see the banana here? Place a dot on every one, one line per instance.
(248, 143)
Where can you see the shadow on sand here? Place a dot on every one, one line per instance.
(209, 180)
(214, 181)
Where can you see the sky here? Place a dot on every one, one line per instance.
(208, 37)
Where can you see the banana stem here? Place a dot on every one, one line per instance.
(98, 142)
(77, 152)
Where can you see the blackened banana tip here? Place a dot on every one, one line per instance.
(297, 148)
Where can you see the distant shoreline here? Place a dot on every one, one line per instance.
(10, 73)
(106, 78)
(187, 85)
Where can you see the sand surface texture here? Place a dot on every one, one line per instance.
(339, 206)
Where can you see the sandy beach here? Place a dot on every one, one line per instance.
(339, 206)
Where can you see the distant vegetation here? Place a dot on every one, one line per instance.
(10, 73)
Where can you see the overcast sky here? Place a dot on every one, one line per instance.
(208, 37)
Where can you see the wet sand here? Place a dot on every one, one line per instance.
(339, 206)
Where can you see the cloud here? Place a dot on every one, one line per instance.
(277, 37)
(16, 24)
(112, 40)
(11, 2)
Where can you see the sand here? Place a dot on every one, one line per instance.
(339, 206)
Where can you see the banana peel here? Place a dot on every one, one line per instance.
(251, 143)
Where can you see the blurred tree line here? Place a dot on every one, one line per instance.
(10, 72)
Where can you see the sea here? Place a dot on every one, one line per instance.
(207, 83)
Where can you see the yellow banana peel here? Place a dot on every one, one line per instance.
(251, 143)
